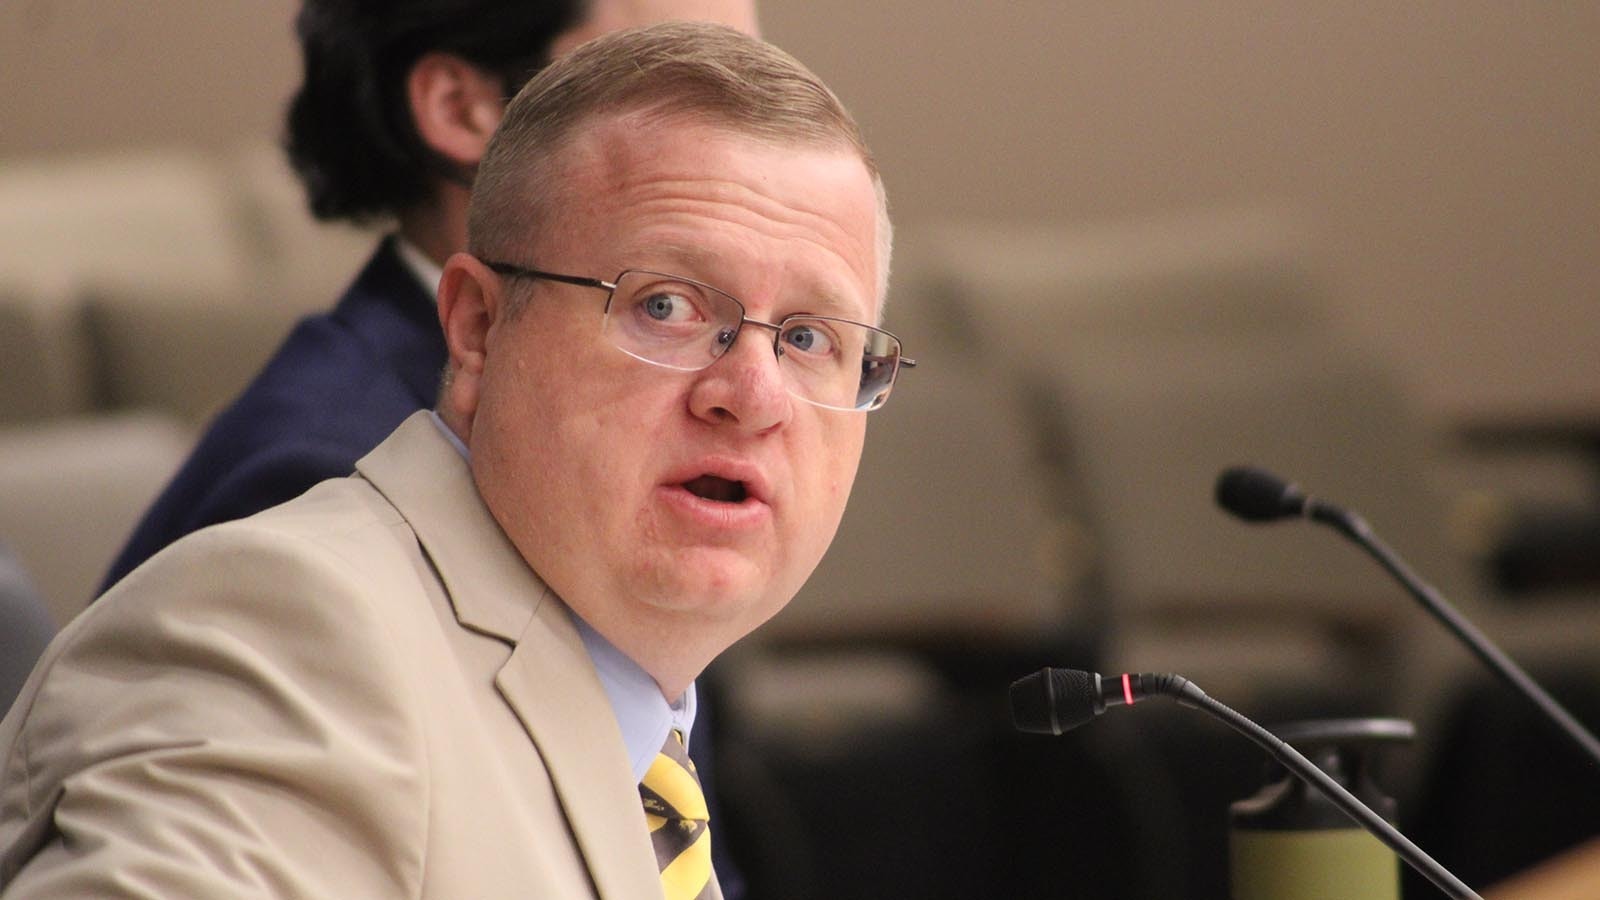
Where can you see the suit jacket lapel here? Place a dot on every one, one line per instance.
(549, 681)
(551, 684)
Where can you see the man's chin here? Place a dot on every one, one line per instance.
(716, 586)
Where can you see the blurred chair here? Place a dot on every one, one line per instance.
(1502, 789)
(25, 627)
(1155, 354)
(948, 536)
(151, 219)
(47, 369)
(1149, 428)
(182, 353)
(1244, 271)
(71, 492)
(86, 243)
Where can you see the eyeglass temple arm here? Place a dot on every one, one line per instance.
(523, 272)
(905, 361)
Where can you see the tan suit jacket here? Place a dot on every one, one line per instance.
(364, 692)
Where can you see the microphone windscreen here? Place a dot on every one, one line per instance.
(1051, 701)
(1257, 495)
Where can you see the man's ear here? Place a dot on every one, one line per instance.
(470, 304)
(455, 105)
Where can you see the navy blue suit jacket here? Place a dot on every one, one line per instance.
(339, 384)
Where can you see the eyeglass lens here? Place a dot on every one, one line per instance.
(682, 324)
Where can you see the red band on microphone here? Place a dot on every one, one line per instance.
(1127, 688)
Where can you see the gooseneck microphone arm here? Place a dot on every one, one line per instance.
(1259, 496)
(1052, 701)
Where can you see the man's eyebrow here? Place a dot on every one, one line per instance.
(679, 259)
(694, 261)
(826, 303)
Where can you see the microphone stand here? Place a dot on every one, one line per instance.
(1357, 529)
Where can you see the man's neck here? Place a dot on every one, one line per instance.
(438, 226)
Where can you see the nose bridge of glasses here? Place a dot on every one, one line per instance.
(727, 335)
(775, 328)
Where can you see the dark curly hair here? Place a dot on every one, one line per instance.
(350, 135)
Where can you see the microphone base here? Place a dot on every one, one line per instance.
(1311, 865)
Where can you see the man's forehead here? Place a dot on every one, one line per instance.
(648, 147)
(618, 169)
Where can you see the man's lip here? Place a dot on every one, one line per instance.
(755, 482)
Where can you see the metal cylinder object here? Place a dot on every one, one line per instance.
(1289, 842)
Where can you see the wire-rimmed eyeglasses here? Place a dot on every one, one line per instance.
(679, 323)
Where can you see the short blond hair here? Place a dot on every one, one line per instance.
(694, 70)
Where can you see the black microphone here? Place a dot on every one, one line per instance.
(1052, 701)
(1259, 496)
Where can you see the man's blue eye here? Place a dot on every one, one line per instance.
(659, 306)
(802, 338)
(810, 339)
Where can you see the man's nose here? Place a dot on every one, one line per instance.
(745, 386)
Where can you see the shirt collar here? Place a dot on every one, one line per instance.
(451, 436)
(427, 272)
(644, 716)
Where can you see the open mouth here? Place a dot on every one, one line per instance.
(721, 490)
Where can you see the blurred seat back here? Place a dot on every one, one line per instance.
(1151, 430)
(946, 532)
(46, 370)
(25, 627)
(152, 224)
(184, 354)
(157, 220)
(1009, 294)
(1153, 355)
(71, 492)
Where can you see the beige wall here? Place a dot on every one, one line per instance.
(89, 74)
(1445, 153)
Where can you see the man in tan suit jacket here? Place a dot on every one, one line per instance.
(402, 683)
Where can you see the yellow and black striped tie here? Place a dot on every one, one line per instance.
(679, 824)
